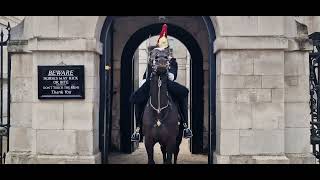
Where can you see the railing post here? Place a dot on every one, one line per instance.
(314, 62)
(4, 127)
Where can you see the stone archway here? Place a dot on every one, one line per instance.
(198, 29)
(197, 84)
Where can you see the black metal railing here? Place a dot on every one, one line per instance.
(314, 70)
(4, 125)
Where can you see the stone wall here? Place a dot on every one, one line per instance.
(53, 131)
(262, 87)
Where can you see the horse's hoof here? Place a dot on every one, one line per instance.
(151, 162)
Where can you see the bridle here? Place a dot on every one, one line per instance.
(155, 65)
(159, 108)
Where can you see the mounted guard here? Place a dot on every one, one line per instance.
(176, 90)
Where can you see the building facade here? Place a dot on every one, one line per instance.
(248, 81)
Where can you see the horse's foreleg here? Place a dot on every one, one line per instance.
(149, 147)
(169, 158)
(175, 157)
(171, 149)
(179, 140)
(164, 154)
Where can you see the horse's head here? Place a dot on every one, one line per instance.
(159, 59)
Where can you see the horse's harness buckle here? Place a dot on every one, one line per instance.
(158, 123)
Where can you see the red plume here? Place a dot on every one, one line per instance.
(164, 32)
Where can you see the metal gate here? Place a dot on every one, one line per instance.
(4, 79)
(314, 63)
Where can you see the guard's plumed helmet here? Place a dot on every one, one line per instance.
(163, 40)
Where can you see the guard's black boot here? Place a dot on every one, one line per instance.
(138, 112)
(187, 133)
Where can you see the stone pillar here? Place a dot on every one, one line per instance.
(250, 100)
(297, 109)
(53, 131)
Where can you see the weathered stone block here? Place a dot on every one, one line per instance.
(45, 26)
(267, 115)
(296, 89)
(78, 115)
(306, 158)
(219, 159)
(21, 65)
(250, 43)
(245, 95)
(272, 82)
(297, 115)
(297, 140)
(261, 142)
(270, 159)
(256, 95)
(231, 81)
(241, 159)
(65, 45)
(21, 114)
(238, 25)
(277, 95)
(269, 63)
(234, 116)
(228, 142)
(47, 116)
(21, 139)
(91, 95)
(296, 63)
(21, 90)
(86, 143)
(27, 158)
(270, 25)
(236, 63)
(96, 117)
(77, 26)
(91, 82)
(58, 142)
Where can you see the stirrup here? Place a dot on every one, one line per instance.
(136, 135)
(187, 133)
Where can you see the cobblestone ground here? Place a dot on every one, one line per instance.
(140, 156)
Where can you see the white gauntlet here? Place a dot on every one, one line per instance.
(170, 76)
(142, 82)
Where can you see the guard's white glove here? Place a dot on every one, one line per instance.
(142, 82)
(170, 76)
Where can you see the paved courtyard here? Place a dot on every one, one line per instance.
(140, 156)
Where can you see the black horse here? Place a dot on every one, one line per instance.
(161, 118)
